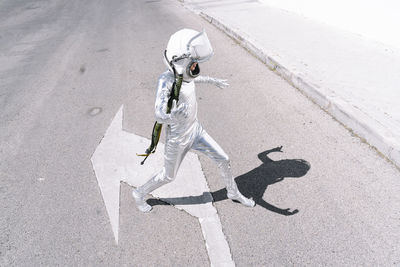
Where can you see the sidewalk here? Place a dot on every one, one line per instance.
(354, 79)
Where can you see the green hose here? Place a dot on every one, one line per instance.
(155, 136)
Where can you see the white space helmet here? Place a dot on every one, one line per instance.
(186, 47)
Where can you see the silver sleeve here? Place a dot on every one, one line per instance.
(204, 79)
(163, 93)
(221, 83)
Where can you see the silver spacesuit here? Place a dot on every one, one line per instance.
(184, 132)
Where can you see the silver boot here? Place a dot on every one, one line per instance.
(231, 186)
(140, 193)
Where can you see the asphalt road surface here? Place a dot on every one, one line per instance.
(66, 67)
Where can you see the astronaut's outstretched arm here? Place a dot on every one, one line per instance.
(221, 83)
(177, 114)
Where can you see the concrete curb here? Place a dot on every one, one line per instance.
(369, 130)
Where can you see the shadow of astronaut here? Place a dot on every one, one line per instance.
(253, 183)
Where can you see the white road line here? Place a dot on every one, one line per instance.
(115, 160)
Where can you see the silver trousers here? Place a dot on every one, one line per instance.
(175, 151)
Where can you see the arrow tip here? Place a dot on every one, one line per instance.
(116, 124)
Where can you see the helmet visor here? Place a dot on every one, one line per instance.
(200, 47)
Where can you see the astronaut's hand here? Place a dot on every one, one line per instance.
(178, 113)
(221, 83)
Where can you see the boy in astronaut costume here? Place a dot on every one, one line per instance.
(185, 50)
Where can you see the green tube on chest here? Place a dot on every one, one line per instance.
(156, 133)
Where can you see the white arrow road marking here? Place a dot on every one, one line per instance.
(115, 160)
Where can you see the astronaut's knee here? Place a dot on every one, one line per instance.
(169, 179)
